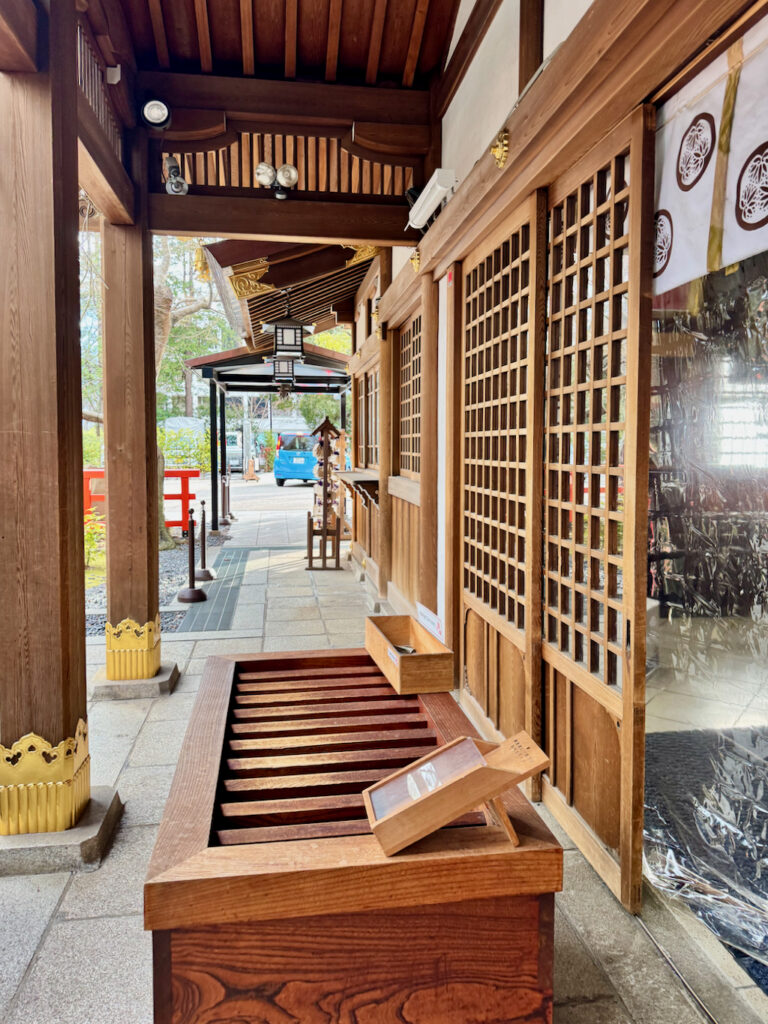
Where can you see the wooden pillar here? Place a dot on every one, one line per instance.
(130, 445)
(42, 640)
(428, 475)
(386, 370)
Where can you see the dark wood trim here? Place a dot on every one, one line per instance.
(619, 53)
(18, 36)
(428, 473)
(100, 172)
(162, 989)
(472, 35)
(531, 40)
(310, 102)
(374, 43)
(226, 216)
(334, 35)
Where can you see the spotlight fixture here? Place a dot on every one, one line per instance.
(174, 184)
(281, 180)
(155, 114)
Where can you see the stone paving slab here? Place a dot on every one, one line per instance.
(28, 903)
(117, 887)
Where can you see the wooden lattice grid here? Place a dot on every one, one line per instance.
(585, 419)
(360, 423)
(497, 354)
(372, 418)
(410, 398)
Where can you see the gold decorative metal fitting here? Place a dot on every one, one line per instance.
(44, 788)
(246, 281)
(362, 253)
(133, 650)
(202, 267)
(500, 148)
(415, 260)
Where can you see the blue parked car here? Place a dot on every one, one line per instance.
(294, 459)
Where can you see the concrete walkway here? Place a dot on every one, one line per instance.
(72, 946)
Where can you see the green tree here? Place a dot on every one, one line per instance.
(314, 409)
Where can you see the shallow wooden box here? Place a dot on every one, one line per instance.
(269, 898)
(429, 670)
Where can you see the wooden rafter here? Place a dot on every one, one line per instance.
(246, 34)
(291, 33)
(203, 36)
(334, 34)
(414, 45)
(531, 40)
(374, 46)
(477, 25)
(158, 32)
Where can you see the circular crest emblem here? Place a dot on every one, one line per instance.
(662, 251)
(752, 191)
(696, 149)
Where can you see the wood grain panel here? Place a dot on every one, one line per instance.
(405, 548)
(477, 958)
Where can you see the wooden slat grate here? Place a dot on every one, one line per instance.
(585, 401)
(497, 353)
(410, 398)
(301, 744)
(323, 164)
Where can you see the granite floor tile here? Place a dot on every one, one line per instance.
(144, 792)
(158, 743)
(116, 888)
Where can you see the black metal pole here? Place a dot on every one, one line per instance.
(214, 462)
(224, 511)
(191, 594)
(203, 573)
(343, 411)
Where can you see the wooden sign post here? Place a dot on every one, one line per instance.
(435, 790)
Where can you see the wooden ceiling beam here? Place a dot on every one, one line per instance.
(247, 37)
(18, 36)
(374, 46)
(203, 36)
(315, 220)
(478, 23)
(334, 35)
(291, 36)
(310, 102)
(158, 33)
(414, 44)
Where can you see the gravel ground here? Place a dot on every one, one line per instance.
(169, 623)
(174, 567)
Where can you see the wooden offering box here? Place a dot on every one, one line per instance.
(270, 899)
(428, 670)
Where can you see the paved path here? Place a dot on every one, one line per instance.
(72, 946)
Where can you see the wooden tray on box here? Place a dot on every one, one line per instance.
(429, 670)
(268, 896)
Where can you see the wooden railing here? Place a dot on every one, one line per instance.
(90, 79)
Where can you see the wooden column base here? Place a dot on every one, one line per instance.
(133, 651)
(44, 788)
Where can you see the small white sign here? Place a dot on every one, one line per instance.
(392, 656)
(430, 621)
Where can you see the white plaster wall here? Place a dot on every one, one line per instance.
(485, 96)
(442, 427)
(462, 16)
(560, 19)
(400, 254)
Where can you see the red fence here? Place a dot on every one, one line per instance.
(93, 493)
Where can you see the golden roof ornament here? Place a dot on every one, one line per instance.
(362, 253)
(245, 279)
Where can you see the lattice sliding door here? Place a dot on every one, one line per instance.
(409, 461)
(595, 501)
(503, 347)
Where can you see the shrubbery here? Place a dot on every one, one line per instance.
(93, 457)
(185, 449)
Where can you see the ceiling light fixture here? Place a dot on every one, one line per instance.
(155, 114)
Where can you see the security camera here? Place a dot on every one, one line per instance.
(175, 184)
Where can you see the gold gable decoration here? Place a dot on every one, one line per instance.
(133, 650)
(245, 279)
(44, 788)
(362, 253)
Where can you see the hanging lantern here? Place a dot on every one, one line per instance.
(289, 335)
(282, 371)
(202, 269)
